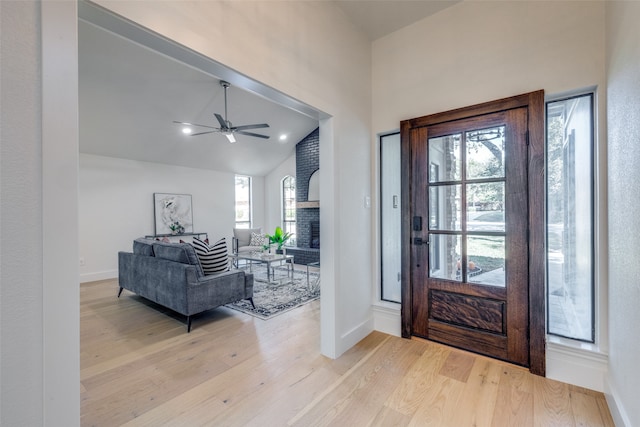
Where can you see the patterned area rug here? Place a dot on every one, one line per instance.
(273, 299)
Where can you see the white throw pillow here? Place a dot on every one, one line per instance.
(258, 239)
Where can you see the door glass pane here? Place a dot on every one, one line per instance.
(485, 153)
(485, 207)
(445, 154)
(445, 210)
(444, 254)
(486, 256)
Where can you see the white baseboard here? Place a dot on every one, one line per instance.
(387, 320)
(355, 335)
(576, 366)
(100, 275)
(619, 415)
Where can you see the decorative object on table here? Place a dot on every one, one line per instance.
(279, 238)
(271, 300)
(173, 213)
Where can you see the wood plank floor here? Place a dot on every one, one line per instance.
(139, 367)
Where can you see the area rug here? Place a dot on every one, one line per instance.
(274, 299)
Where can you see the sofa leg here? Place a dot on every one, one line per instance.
(252, 304)
(119, 292)
(188, 324)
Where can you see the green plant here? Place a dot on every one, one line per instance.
(279, 237)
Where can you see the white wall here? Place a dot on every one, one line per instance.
(310, 51)
(21, 217)
(481, 51)
(623, 98)
(39, 299)
(273, 193)
(116, 206)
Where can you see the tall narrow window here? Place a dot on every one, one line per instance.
(570, 230)
(243, 201)
(390, 218)
(289, 208)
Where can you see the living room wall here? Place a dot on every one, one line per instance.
(273, 194)
(476, 52)
(116, 206)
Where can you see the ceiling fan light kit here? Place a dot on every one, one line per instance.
(226, 128)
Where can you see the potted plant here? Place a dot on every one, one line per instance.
(278, 238)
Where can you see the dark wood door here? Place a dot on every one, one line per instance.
(469, 247)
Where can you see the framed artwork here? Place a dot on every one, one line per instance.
(173, 213)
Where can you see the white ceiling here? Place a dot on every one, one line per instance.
(130, 95)
(378, 18)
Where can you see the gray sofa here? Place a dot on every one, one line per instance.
(170, 274)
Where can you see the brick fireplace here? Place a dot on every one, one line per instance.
(307, 214)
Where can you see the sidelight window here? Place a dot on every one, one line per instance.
(570, 224)
(289, 208)
(243, 201)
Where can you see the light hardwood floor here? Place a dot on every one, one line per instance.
(139, 367)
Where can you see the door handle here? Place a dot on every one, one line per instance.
(420, 241)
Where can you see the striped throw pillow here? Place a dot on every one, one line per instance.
(214, 258)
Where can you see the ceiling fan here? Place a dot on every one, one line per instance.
(226, 128)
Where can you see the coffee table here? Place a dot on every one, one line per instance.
(268, 259)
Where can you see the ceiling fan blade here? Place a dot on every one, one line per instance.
(257, 135)
(223, 124)
(256, 126)
(203, 133)
(194, 124)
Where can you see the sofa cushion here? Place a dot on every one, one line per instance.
(244, 235)
(214, 258)
(258, 239)
(178, 252)
(143, 246)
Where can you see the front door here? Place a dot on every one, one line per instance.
(469, 220)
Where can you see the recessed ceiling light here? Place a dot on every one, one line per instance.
(283, 137)
(186, 130)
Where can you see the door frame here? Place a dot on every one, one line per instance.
(534, 102)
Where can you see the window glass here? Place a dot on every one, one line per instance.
(243, 201)
(390, 218)
(570, 217)
(444, 151)
(289, 208)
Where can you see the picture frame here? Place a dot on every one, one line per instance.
(173, 214)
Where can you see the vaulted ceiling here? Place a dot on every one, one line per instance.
(130, 95)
